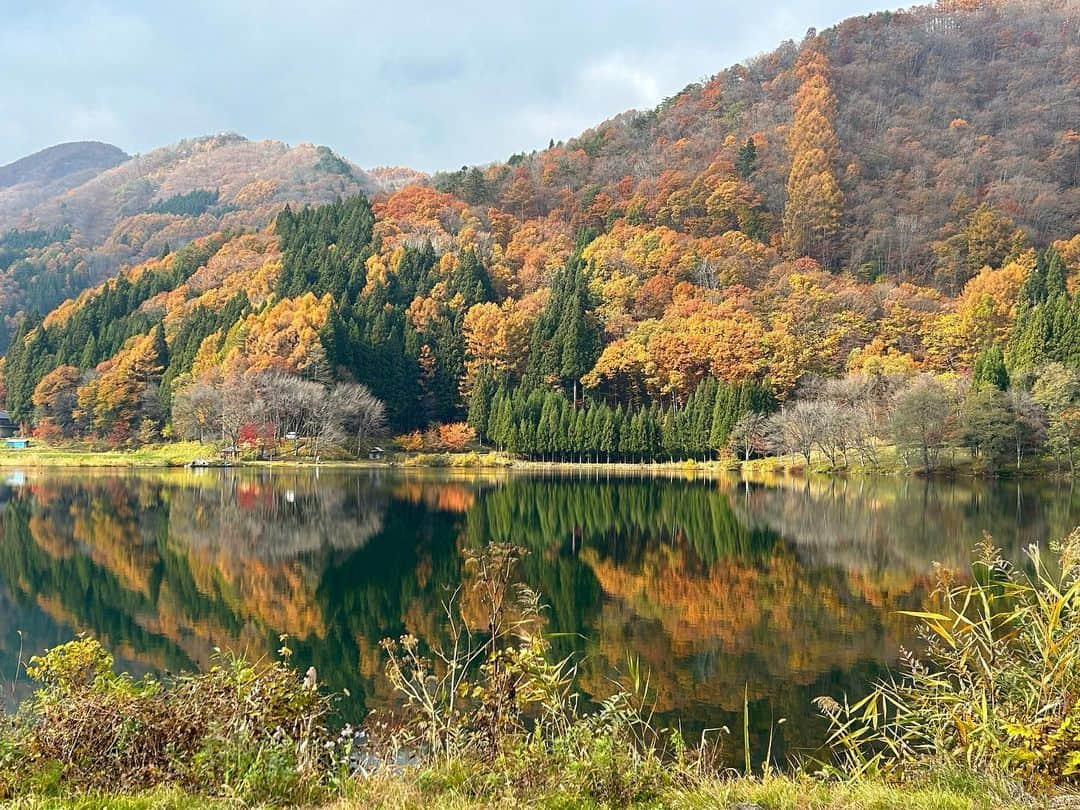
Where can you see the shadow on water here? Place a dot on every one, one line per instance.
(788, 588)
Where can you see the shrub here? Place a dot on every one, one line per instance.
(999, 689)
(410, 442)
(456, 436)
(251, 730)
(494, 701)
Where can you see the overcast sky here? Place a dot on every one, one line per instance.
(430, 86)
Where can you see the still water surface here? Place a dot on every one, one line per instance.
(788, 589)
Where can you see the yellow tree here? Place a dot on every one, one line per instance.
(55, 398)
(814, 198)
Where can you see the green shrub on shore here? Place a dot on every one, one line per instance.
(253, 731)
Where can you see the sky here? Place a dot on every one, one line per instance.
(427, 85)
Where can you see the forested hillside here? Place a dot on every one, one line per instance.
(890, 205)
(74, 214)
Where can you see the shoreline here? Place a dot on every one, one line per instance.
(183, 454)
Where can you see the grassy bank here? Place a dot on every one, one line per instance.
(177, 454)
(428, 790)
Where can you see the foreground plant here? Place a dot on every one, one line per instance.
(998, 690)
(250, 730)
(494, 704)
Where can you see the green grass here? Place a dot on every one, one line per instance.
(175, 454)
(415, 790)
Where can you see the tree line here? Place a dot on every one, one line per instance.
(998, 422)
(544, 424)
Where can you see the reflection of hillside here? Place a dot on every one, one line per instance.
(260, 544)
(442, 496)
(190, 562)
(275, 517)
(705, 632)
(790, 590)
(893, 529)
(537, 513)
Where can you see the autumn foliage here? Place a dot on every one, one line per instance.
(775, 225)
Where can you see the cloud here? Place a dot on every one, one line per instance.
(428, 85)
(422, 71)
(618, 74)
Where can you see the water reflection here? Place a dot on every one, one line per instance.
(787, 589)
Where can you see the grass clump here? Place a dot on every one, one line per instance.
(998, 689)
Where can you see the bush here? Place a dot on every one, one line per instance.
(999, 689)
(456, 436)
(250, 730)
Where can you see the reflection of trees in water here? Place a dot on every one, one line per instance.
(895, 528)
(792, 592)
(276, 516)
(627, 515)
(707, 599)
(763, 623)
(173, 566)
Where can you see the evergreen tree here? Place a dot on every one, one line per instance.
(566, 338)
(746, 161)
(481, 401)
(990, 369)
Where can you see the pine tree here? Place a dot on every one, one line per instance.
(161, 347)
(990, 369)
(481, 402)
(566, 339)
(746, 161)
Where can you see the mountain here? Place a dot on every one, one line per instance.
(50, 173)
(68, 163)
(74, 214)
(897, 194)
(933, 111)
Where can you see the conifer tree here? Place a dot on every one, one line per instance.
(990, 369)
(814, 199)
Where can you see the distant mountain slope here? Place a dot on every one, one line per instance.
(51, 172)
(61, 162)
(56, 239)
(249, 178)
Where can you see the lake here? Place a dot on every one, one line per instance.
(788, 589)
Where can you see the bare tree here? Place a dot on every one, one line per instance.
(796, 429)
(361, 414)
(321, 415)
(922, 419)
(1029, 424)
(196, 410)
(239, 402)
(749, 435)
(1057, 389)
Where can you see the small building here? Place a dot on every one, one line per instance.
(7, 427)
(375, 453)
(17, 443)
(230, 454)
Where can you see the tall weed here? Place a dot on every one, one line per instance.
(998, 688)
